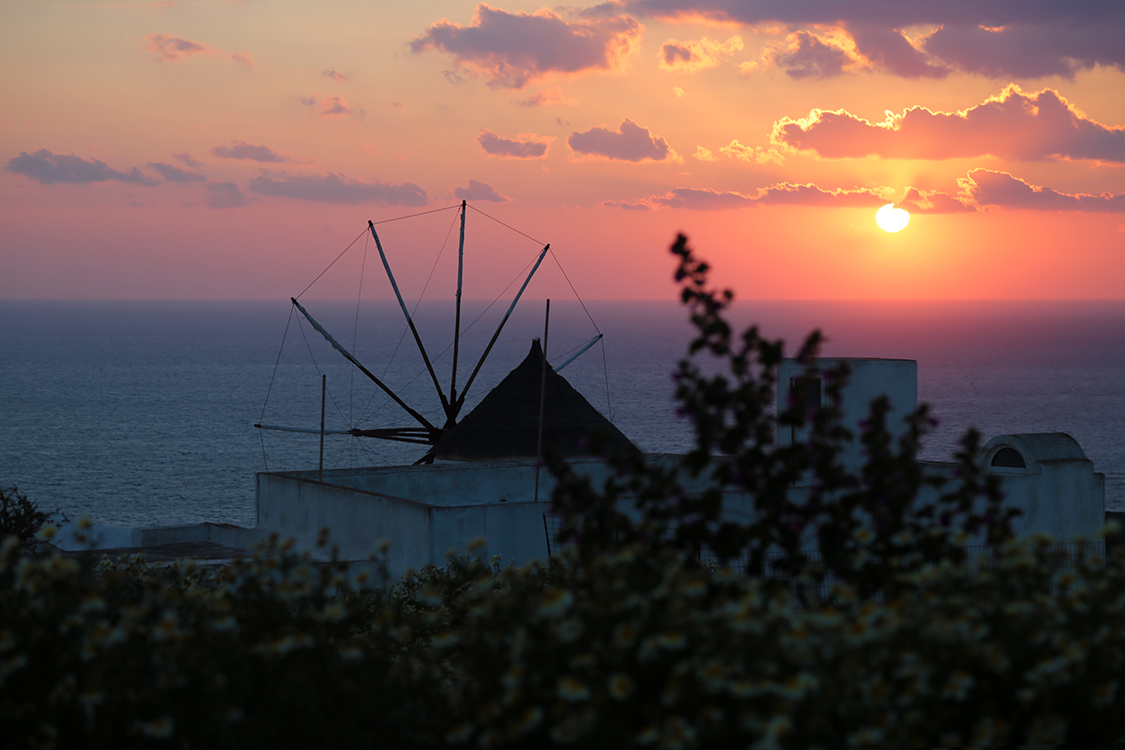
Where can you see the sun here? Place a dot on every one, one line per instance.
(892, 219)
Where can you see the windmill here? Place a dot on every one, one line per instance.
(425, 432)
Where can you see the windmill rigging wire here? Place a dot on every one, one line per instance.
(509, 226)
(341, 255)
(355, 333)
(269, 389)
(316, 365)
(441, 251)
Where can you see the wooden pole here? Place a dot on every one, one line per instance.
(323, 392)
(457, 321)
(542, 398)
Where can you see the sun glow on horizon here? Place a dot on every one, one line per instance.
(891, 219)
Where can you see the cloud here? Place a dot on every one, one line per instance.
(988, 188)
(335, 106)
(630, 142)
(264, 154)
(546, 98)
(890, 51)
(336, 75)
(741, 152)
(515, 49)
(704, 154)
(1013, 125)
(1031, 51)
(781, 194)
(933, 202)
(48, 168)
(332, 106)
(1001, 39)
(338, 188)
(692, 56)
(527, 147)
(981, 190)
(188, 159)
(171, 48)
(626, 205)
(172, 173)
(805, 54)
(479, 191)
(225, 195)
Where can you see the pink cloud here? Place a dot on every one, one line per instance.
(48, 168)
(515, 49)
(526, 147)
(172, 173)
(338, 188)
(696, 55)
(335, 106)
(1025, 39)
(479, 191)
(546, 98)
(336, 75)
(188, 159)
(1013, 125)
(987, 188)
(982, 189)
(170, 48)
(250, 152)
(805, 54)
(243, 58)
(630, 142)
(225, 195)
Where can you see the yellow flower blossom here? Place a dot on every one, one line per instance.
(570, 689)
(620, 686)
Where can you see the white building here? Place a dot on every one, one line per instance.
(427, 511)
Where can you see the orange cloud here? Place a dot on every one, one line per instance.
(333, 106)
(1027, 39)
(336, 75)
(48, 168)
(982, 189)
(479, 191)
(546, 98)
(250, 152)
(528, 146)
(781, 194)
(630, 142)
(338, 188)
(1012, 125)
(805, 54)
(987, 188)
(515, 49)
(172, 48)
(695, 55)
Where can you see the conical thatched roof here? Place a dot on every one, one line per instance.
(506, 423)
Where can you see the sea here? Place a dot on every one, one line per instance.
(143, 413)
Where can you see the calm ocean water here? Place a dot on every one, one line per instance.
(141, 413)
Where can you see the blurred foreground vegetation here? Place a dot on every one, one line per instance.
(667, 626)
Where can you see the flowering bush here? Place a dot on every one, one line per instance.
(20, 517)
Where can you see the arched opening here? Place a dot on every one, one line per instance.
(1009, 458)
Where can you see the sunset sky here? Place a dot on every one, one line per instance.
(232, 149)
